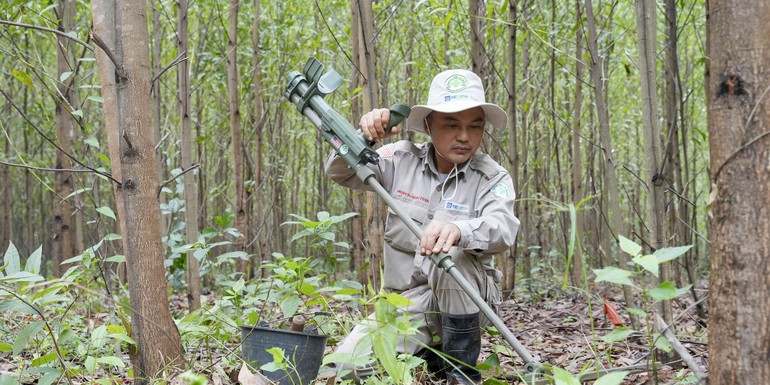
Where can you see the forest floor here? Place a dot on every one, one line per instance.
(556, 327)
(557, 330)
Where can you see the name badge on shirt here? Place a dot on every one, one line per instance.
(451, 206)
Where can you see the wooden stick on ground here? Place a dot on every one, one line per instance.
(679, 348)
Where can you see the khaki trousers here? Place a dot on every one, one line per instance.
(440, 294)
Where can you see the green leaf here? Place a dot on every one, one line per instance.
(33, 262)
(233, 255)
(112, 237)
(22, 276)
(648, 262)
(90, 364)
(662, 343)
(667, 291)
(12, 264)
(116, 258)
(563, 377)
(5, 348)
(397, 300)
(16, 305)
(619, 334)
(78, 113)
(636, 311)
(22, 77)
(290, 304)
(96, 98)
(8, 380)
(668, 253)
(111, 360)
(106, 211)
(64, 76)
(98, 336)
(50, 377)
(277, 353)
(77, 192)
(45, 359)
(629, 246)
(92, 141)
(614, 378)
(20, 343)
(613, 275)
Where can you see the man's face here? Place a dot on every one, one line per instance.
(456, 136)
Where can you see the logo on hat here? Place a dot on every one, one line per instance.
(456, 83)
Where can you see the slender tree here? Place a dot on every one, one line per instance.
(477, 13)
(66, 125)
(610, 179)
(368, 66)
(5, 193)
(653, 147)
(576, 270)
(357, 197)
(509, 262)
(188, 161)
(258, 120)
(737, 84)
(124, 68)
(236, 134)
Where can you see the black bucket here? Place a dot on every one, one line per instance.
(304, 352)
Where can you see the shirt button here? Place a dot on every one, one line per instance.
(430, 216)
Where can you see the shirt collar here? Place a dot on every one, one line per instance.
(428, 163)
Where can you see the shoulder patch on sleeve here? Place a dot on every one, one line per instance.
(501, 190)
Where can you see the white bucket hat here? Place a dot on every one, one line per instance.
(455, 91)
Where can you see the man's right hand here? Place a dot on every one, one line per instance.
(373, 125)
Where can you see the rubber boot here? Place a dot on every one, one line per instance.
(461, 340)
(435, 364)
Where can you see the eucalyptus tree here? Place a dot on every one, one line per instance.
(124, 66)
(66, 127)
(653, 147)
(188, 165)
(737, 84)
(236, 133)
(610, 178)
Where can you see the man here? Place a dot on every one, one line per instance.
(462, 200)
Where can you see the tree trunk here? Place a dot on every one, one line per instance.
(653, 153)
(509, 261)
(192, 274)
(157, 101)
(525, 213)
(63, 226)
(477, 15)
(259, 191)
(363, 273)
(610, 177)
(126, 93)
(236, 134)
(737, 84)
(447, 35)
(576, 270)
(6, 208)
(368, 64)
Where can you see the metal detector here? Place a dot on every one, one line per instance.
(307, 90)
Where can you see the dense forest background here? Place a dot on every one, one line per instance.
(412, 42)
(606, 141)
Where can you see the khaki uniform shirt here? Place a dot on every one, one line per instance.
(479, 201)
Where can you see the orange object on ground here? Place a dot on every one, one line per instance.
(611, 312)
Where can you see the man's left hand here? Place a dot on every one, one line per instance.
(439, 237)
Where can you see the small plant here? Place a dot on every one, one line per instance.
(644, 264)
(321, 236)
(42, 342)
